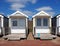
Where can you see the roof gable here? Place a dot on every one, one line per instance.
(18, 13)
(42, 13)
(58, 15)
(1, 15)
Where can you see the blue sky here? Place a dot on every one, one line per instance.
(30, 7)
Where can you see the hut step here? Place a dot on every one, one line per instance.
(46, 36)
(13, 38)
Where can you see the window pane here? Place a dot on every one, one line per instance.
(38, 21)
(21, 22)
(45, 21)
(14, 23)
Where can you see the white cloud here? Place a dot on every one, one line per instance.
(13, 0)
(34, 1)
(22, 1)
(29, 13)
(44, 8)
(1, 13)
(47, 9)
(17, 6)
(51, 13)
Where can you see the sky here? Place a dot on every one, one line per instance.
(30, 7)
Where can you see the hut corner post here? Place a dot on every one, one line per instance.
(9, 25)
(2, 26)
(56, 27)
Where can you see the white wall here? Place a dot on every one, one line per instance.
(58, 25)
(59, 30)
(27, 25)
(0, 31)
(33, 25)
(42, 30)
(1, 23)
(18, 31)
(58, 22)
(50, 22)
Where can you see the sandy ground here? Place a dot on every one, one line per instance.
(54, 42)
(31, 42)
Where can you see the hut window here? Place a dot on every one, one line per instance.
(14, 23)
(38, 21)
(45, 21)
(21, 22)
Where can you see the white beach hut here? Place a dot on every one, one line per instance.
(18, 26)
(42, 25)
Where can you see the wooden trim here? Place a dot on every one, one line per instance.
(42, 21)
(17, 17)
(43, 17)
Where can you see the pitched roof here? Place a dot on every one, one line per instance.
(58, 15)
(18, 14)
(1, 15)
(42, 13)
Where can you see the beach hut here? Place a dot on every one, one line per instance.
(54, 20)
(18, 26)
(3, 25)
(42, 25)
(56, 25)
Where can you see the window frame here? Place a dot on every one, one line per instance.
(42, 25)
(16, 21)
(19, 22)
(37, 22)
(47, 22)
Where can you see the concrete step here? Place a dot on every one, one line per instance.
(15, 35)
(46, 36)
(13, 38)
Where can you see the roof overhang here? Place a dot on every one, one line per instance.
(17, 12)
(1, 16)
(42, 13)
(58, 16)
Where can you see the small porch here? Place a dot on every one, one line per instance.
(15, 36)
